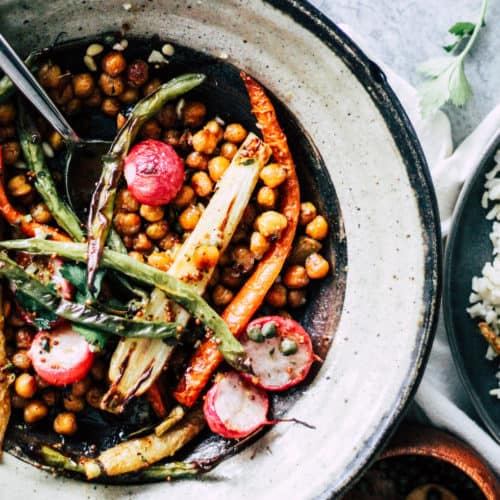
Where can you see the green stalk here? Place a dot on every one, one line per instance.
(178, 291)
(7, 88)
(31, 145)
(103, 199)
(81, 314)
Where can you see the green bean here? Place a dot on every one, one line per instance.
(103, 199)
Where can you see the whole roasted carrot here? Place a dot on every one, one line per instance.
(238, 313)
(15, 218)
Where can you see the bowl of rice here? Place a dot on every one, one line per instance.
(471, 300)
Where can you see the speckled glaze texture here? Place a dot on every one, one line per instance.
(390, 219)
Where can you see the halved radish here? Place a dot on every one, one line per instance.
(234, 408)
(61, 356)
(280, 352)
(154, 172)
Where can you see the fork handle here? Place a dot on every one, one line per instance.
(22, 78)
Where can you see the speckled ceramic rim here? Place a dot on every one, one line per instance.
(447, 305)
(375, 83)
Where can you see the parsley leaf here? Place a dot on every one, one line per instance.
(96, 338)
(446, 79)
(43, 318)
(77, 275)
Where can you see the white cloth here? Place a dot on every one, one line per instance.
(441, 396)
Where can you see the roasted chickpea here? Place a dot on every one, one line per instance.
(125, 201)
(25, 385)
(11, 152)
(110, 106)
(258, 245)
(214, 127)
(202, 184)
(296, 277)
(24, 337)
(18, 402)
(49, 396)
(221, 295)
(231, 277)
(170, 241)
(186, 140)
(193, 113)
(55, 140)
(94, 397)
(267, 197)
(307, 213)
(73, 403)
(189, 218)
(235, 132)
(171, 137)
(184, 197)
(136, 255)
(204, 142)
(41, 213)
(73, 107)
(271, 224)
(217, 166)
(296, 298)
(167, 116)
(243, 259)
(7, 132)
(317, 228)
(49, 75)
(7, 113)
(205, 257)
(112, 86)
(137, 73)
(21, 360)
(65, 423)
(151, 86)
(81, 387)
(157, 230)
(196, 160)
(276, 296)
(160, 260)
(142, 243)
(129, 96)
(127, 223)
(317, 266)
(273, 175)
(62, 94)
(113, 63)
(228, 150)
(151, 213)
(151, 129)
(35, 411)
(98, 370)
(214, 278)
(83, 85)
(95, 99)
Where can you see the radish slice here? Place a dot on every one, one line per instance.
(154, 172)
(234, 408)
(280, 352)
(61, 356)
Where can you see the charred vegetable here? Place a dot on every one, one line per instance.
(103, 199)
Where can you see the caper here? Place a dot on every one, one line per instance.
(255, 333)
(269, 329)
(288, 346)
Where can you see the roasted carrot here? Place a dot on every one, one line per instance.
(238, 313)
(15, 218)
(155, 399)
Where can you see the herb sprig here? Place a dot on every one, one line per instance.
(447, 81)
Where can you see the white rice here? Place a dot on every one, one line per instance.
(485, 295)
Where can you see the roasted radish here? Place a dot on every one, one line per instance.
(154, 172)
(61, 356)
(234, 408)
(280, 352)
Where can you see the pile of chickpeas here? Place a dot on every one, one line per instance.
(154, 234)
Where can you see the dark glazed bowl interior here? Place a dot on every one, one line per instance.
(468, 249)
(225, 96)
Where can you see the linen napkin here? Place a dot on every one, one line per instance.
(441, 398)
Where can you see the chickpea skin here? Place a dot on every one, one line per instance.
(317, 266)
(56, 140)
(184, 197)
(307, 213)
(228, 150)
(221, 295)
(40, 213)
(271, 224)
(111, 86)
(202, 184)
(204, 142)
(113, 63)
(267, 197)
(125, 201)
(296, 277)
(317, 228)
(25, 385)
(94, 100)
(7, 113)
(217, 166)
(81, 387)
(189, 218)
(138, 256)
(277, 295)
(193, 114)
(258, 245)
(11, 152)
(151, 213)
(235, 132)
(83, 85)
(127, 224)
(35, 411)
(18, 186)
(196, 160)
(49, 75)
(157, 230)
(142, 243)
(273, 175)
(296, 298)
(160, 260)
(21, 360)
(243, 259)
(215, 129)
(65, 423)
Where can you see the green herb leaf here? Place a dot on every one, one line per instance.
(77, 276)
(43, 318)
(96, 338)
(462, 29)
